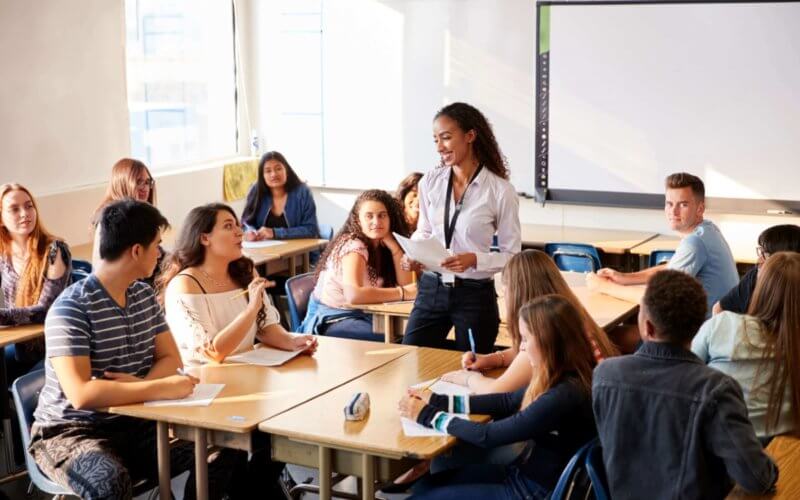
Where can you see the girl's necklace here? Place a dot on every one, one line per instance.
(212, 280)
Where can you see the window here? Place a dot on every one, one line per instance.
(181, 80)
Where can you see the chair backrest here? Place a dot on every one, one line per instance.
(659, 257)
(26, 391)
(574, 482)
(597, 471)
(80, 270)
(576, 257)
(298, 291)
(325, 231)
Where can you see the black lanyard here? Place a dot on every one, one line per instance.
(450, 225)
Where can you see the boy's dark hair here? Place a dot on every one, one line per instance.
(682, 180)
(676, 305)
(125, 223)
(781, 238)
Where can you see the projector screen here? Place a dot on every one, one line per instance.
(628, 93)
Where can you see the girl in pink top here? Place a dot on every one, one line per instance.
(360, 266)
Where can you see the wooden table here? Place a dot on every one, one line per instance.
(785, 450)
(12, 335)
(607, 311)
(284, 256)
(253, 394)
(609, 240)
(744, 253)
(316, 434)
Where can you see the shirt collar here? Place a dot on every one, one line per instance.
(665, 350)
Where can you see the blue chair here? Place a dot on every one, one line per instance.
(576, 257)
(597, 471)
(26, 391)
(298, 291)
(574, 482)
(658, 257)
(80, 270)
(325, 231)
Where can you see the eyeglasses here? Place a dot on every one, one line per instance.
(145, 183)
(762, 254)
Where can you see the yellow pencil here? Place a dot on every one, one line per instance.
(239, 294)
(428, 387)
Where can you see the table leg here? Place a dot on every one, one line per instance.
(324, 473)
(201, 463)
(164, 474)
(292, 265)
(306, 262)
(388, 329)
(367, 477)
(5, 414)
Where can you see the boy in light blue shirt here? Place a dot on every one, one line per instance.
(702, 252)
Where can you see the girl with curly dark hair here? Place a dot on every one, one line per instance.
(360, 266)
(202, 280)
(463, 204)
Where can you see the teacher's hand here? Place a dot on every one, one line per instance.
(460, 262)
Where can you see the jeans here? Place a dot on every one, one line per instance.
(464, 454)
(351, 328)
(439, 308)
(484, 482)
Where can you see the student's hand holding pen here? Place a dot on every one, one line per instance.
(255, 292)
(306, 342)
(413, 402)
(177, 386)
(477, 362)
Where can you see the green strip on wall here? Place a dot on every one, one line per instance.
(544, 29)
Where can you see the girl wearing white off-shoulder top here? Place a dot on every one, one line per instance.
(203, 279)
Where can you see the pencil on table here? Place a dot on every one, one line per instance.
(427, 387)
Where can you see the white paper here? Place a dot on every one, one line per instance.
(203, 395)
(429, 252)
(413, 429)
(262, 244)
(264, 356)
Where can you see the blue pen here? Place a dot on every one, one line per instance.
(472, 344)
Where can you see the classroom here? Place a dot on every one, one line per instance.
(400, 249)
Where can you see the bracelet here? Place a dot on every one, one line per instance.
(502, 359)
(402, 293)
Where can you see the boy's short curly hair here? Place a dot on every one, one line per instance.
(676, 305)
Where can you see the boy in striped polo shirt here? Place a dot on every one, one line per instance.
(107, 345)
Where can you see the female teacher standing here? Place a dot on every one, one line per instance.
(463, 204)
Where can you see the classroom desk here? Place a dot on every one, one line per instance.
(742, 253)
(607, 311)
(315, 434)
(609, 240)
(785, 450)
(11, 335)
(253, 394)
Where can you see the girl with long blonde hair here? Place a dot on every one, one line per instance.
(761, 349)
(527, 275)
(34, 269)
(554, 411)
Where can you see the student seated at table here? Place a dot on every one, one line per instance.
(108, 345)
(670, 426)
(702, 252)
(130, 179)
(527, 275)
(781, 238)
(553, 413)
(279, 205)
(408, 196)
(360, 266)
(759, 349)
(34, 269)
(203, 279)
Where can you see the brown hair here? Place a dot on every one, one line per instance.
(380, 263)
(408, 184)
(682, 179)
(557, 328)
(485, 147)
(31, 279)
(676, 305)
(531, 274)
(123, 183)
(776, 305)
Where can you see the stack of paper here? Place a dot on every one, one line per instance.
(203, 395)
(261, 244)
(264, 356)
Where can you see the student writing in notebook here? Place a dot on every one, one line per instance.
(553, 413)
(203, 279)
(360, 266)
(108, 345)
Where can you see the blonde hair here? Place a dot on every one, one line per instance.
(556, 327)
(531, 274)
(31, 279)
(124, 175)
(776, 305)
